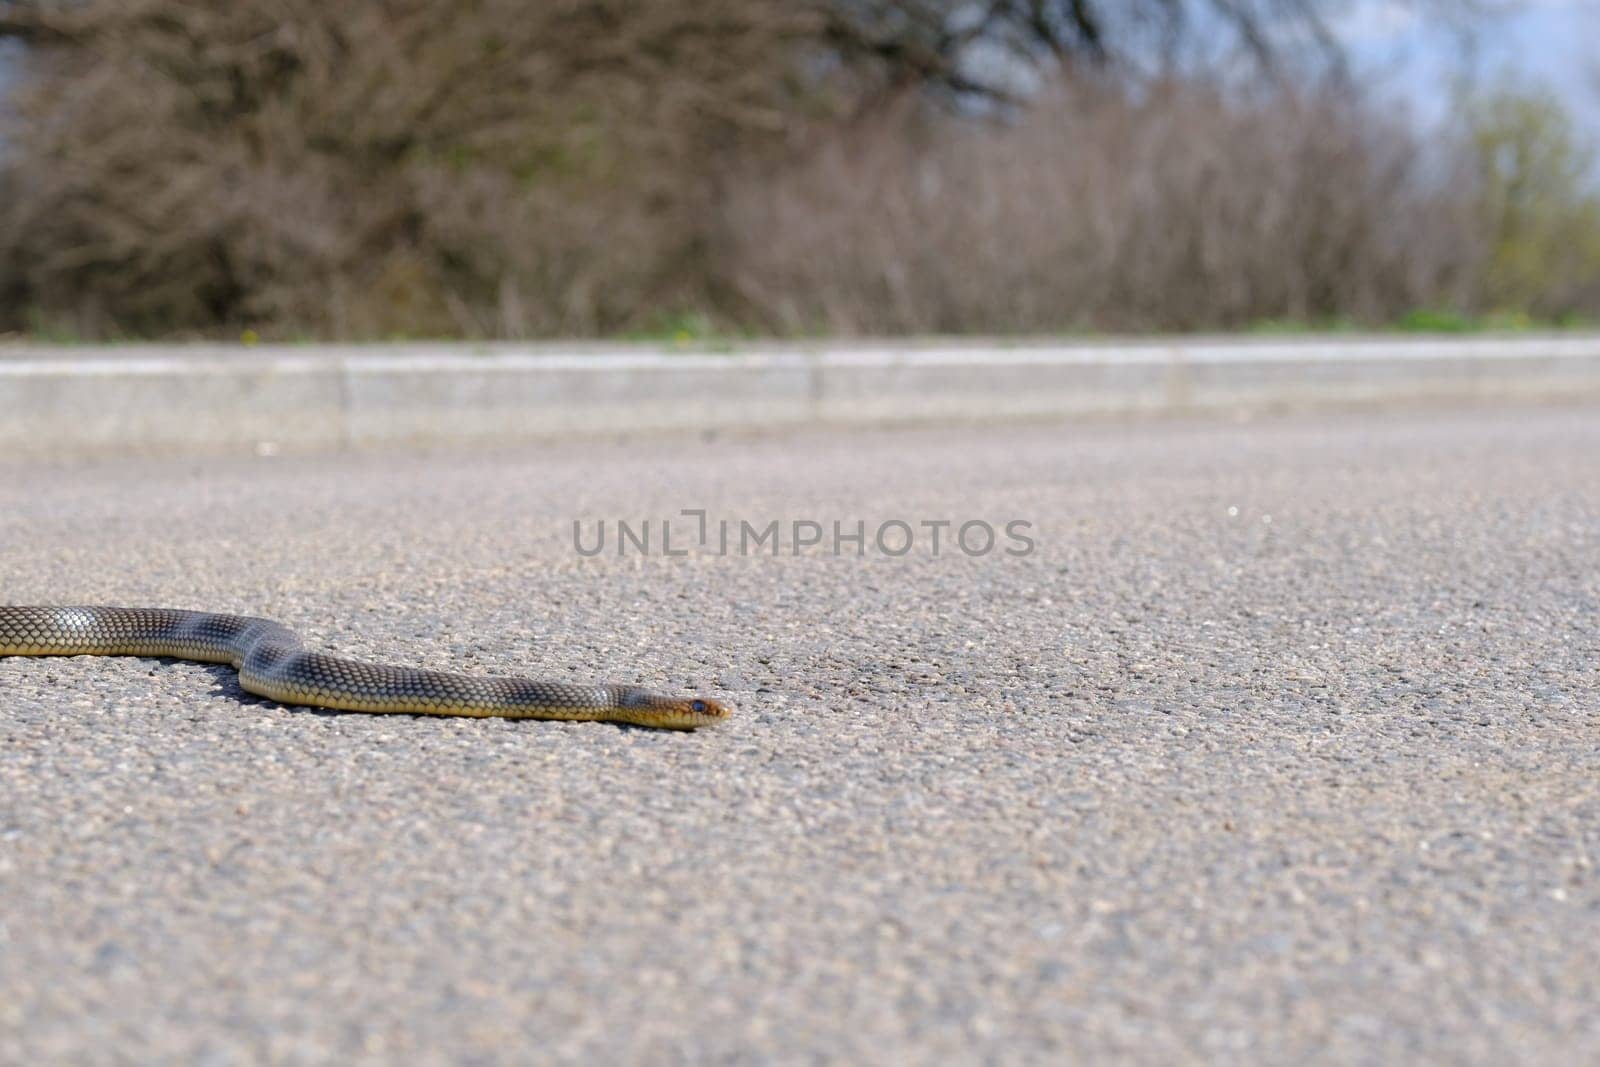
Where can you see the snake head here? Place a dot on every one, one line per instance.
(644, 708)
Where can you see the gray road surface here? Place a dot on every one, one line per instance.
(1283, 744)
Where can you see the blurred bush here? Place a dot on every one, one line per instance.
(375, 168)
(1178, 207)
(1536, 204)
(410, 168)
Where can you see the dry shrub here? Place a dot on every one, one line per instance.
(376, 167)
(1175, 208)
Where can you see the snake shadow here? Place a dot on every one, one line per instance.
(225, 682)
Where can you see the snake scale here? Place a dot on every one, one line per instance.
(273, 663)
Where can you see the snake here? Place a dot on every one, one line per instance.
(273, 662)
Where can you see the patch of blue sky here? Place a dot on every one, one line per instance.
(1548, 45)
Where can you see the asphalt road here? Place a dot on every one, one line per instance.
(1282, 744)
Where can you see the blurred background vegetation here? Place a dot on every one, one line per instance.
(382, 169)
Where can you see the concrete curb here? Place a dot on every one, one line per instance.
(66, 401)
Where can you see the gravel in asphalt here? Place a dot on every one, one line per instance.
(1281, 744)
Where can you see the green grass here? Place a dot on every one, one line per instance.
(1299, 326)
(1426, 320)
(688, 329)
(698, 331)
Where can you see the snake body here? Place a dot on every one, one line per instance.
(273, 663)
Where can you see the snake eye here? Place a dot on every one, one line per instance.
(698, 705)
